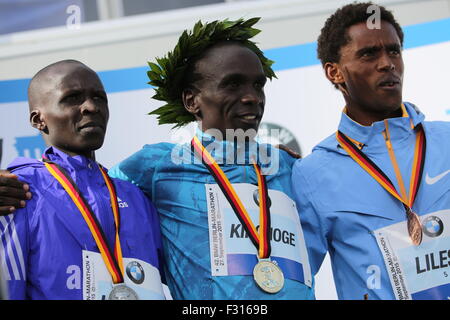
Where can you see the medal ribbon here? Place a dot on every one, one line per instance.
(113, 260)
(261, 237)
(376, 173)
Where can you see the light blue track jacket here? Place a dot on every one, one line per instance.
(178, 190)
(342, 207)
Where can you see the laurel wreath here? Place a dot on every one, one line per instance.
(167, 74)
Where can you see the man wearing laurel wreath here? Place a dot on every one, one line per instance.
(83, 235)
(230, 228)
(376, 194)
(225, 201)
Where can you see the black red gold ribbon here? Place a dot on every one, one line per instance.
(259, 237)
(113, 259)
(416, 175)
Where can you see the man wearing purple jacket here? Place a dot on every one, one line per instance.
(72, 241)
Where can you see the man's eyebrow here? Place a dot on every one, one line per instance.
(100, 91)
(368, 49)
(394, 46)
(71, 91)
(232, 76)
(240, 76)
(391, 46)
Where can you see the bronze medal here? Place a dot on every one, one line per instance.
(268, 276)
(413, 222)
(414, 227)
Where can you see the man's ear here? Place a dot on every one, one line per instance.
(334, 74)
(37, 121)
(190, 102)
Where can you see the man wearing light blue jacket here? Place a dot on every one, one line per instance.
(376, 194)
(210, 251)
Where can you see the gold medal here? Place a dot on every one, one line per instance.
(268, 276)
(122, 292)
(414, 227)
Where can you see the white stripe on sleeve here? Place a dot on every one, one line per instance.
(18, 249)
(3, 266)
(5, 233)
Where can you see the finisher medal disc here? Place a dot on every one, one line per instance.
(414, 228)
(268, 276)
(122, 292)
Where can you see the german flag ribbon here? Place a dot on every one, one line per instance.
(368, 165)
(260, 237)
(113, 259)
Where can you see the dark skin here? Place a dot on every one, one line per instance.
(370, 73)
(17, 193)
(68, 105)
(230, 94)
(70, 108)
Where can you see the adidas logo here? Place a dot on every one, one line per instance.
(122, 204)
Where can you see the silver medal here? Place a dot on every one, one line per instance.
(123, 292)
(268, 276)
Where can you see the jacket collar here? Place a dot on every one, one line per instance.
(371, 136)
(70, 163)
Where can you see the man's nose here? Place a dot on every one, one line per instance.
(385, 63)
(90, 105)
(252, 96)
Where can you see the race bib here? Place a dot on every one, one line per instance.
(418, 272)
(143, 278)
(231, 250)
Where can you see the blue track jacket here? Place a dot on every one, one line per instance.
(177, 183)
(41, 245)
(346, 212)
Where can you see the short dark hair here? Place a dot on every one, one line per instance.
(333, 35)
(33, 87)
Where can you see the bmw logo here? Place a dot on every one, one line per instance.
(256, 198)
(432, 226)
(135, 272)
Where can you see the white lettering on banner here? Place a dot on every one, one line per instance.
(74, 279)
(394, 269)
(216, 234)
(231, 249)
(418, 272)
